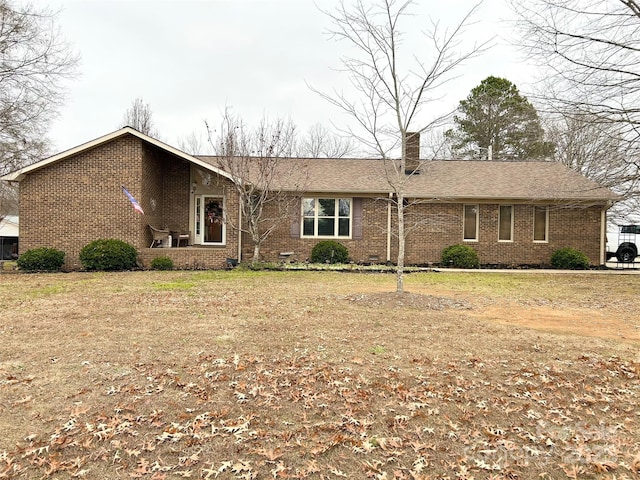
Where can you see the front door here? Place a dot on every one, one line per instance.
(212, 223)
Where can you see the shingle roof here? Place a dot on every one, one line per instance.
(481, 180)
(447, 179)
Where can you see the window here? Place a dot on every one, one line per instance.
(505, 223)
(540, 224)
(470, 226)
(198, 201)
(326, 217)
(634, 229)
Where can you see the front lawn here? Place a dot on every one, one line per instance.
(245, 374)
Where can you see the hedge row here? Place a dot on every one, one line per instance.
(113, 255)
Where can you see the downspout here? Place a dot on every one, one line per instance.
(389, 228)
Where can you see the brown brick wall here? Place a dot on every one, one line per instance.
(373, 241)
(568, 227)
(436, 226)
(166, 184)
(191, 258)
(67, 204)
(70, 203)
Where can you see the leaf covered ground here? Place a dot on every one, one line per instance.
(319, 375)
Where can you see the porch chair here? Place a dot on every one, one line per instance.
(178, 235)
(159, 235)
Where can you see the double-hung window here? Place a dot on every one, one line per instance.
(326, 217)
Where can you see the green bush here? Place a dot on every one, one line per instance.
(41, 260)
(569, 259)
(162, 263)
(108, 254)
(460, 256)
(329, 251)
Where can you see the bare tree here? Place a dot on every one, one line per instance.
(319, 142)
(194, 144)
(34, 61)
(595, 150)
(140, 117)
(8, 199)
(589, 52)
(391, 94)
(269, 190)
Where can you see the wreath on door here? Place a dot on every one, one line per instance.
(213, 212)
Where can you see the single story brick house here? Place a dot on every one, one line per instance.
(511, 213)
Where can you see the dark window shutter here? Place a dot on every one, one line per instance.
(357, 219)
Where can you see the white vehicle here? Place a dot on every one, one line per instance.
(624, 245)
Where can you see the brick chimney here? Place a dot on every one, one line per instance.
(412, 160)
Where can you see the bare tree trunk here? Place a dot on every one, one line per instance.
(256, 252)
(401, 245)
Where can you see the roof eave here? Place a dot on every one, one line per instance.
(20, 174)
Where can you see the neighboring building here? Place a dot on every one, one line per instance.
(9, 233)
(511, 213)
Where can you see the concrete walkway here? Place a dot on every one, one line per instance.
(612, 268)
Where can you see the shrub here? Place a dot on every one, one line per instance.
(569, 259)
(41, 260)
(162, 263)
(109, 254)
(460, 256)
(329, 251)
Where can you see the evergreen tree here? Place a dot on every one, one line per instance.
(496, 118)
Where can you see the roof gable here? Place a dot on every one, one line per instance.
(18, 175)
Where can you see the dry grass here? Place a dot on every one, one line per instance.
(319, 375)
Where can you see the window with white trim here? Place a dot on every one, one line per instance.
(505, 223)
(326, 217)
(470, 223)
(540, 224)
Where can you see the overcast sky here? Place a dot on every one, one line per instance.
(190, 59)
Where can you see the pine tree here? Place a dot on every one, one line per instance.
(496, 122)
